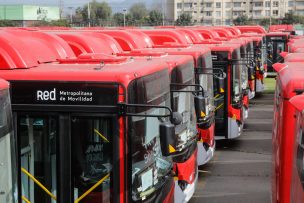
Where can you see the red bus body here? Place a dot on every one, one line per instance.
(297, 181)
(282, 28)
(289, 82)
(123, 75)
(251, 29)
(125, 39)
(232, 114)
(189, 176)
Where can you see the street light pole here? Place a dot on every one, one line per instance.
(71, 13)
(89, 14)
(124, 14)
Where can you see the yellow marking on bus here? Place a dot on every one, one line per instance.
(25, 199)
(92, 188)
(218, 95)
(222, 90)
(103, 137)
(38, 183)
(171, 149)
(220, 106)
(203, 114)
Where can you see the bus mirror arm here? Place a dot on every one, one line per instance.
(168, 139)
(216, 72)
(124, 110)
(175, 117)
(199, 89)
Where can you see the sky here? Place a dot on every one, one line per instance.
(66, 3)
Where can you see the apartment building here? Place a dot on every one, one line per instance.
(222, 12)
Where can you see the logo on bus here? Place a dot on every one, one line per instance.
(46, 95)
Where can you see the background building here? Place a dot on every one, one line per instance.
(222, 12)
(29, 14)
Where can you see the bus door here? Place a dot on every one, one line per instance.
(64, 156)
(220, 61)
(275, 45)
(279, 45)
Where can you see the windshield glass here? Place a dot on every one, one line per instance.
(8, 176)
(206, 80)
(186, 131)
(236, 77)
(149, 167)
(244, 65)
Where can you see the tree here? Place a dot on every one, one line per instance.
(119, 19)
(291, 18)
(56, 23)
(98, 11)
(78, 15)
(8, 23)
(184, 19)
(241, 20)
(138, 12)
(155, 18)
(266, 22)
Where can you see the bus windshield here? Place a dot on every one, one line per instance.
(149, 167)
(245, 54)
(8, 177)
(236, 78)
(186, 131)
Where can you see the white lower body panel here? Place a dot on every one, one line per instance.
(203, 155)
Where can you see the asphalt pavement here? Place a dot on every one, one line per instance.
(240, 171)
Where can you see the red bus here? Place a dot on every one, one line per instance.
(202, 61)
(276, 42)
(8, 177)
(289, 84)
(94, 133)
(297, 180)
(229, 106)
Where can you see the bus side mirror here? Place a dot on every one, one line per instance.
(221, 85)
(168, 140)
(200, 104)
(251, 73)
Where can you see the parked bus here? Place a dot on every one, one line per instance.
(276, 42)
(229, 105)
(289, 84)
(94, 133)
(297, 180)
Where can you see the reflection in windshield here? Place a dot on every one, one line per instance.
(148, 165)
(8, 176)
(186, 131)
(236, 79)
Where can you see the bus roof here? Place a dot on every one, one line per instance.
(278, 34)
(122, 73)
(25, 49)
(294, 57)
(291, 78)
(251, 29)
